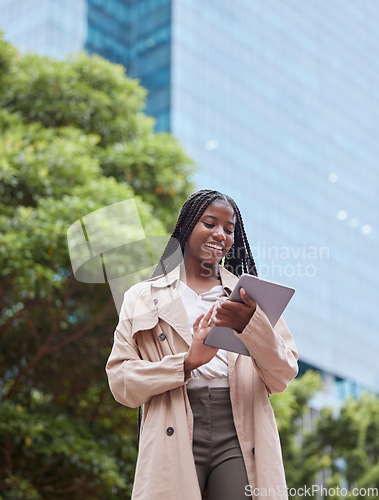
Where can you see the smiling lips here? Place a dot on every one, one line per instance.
(214, 247)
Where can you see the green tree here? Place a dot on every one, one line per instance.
(292, 408)
(348, 440)
(331, 448)
(74, 140)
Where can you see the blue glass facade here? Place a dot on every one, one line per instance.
(136, 34)
(53, 28)
(277, 102)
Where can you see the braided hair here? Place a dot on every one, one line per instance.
(239, 258)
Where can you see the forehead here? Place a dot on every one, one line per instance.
(221, 210)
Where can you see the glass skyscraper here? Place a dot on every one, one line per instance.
(278, 104)
(136, 34)
(53, 28)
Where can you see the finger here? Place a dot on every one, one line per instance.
(223, 314)
(229, 305)
(203, 320)
(207, 318)
(248, 301)
(209, 313)
(219, 302)
(222, 322)
(196, 325)
(235, 307)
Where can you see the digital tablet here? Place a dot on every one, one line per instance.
(271, 297)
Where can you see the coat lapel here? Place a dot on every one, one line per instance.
(169, 305)
(172, 311)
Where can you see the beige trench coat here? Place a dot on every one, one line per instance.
(145, 368)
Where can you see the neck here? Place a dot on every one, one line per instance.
(196, 271)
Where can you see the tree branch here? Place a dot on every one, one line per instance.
(47, 348)
(86, 328)
(33, 330)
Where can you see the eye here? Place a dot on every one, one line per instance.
(207, 224)
(228, 231)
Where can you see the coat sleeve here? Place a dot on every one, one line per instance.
(272, 350)
(133, 380)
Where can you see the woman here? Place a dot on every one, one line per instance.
(207, 425)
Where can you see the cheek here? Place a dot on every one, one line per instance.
(195, 238)
(229, 242)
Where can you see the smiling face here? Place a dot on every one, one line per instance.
(212, 236)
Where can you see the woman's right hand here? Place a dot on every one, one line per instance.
(199, 354)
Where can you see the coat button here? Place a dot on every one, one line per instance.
(161, 336)
(170, 431)
(155, 301)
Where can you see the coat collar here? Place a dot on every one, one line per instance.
(228, 279)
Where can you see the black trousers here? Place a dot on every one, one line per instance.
(218, 458)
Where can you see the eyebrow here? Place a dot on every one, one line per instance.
(216, 218)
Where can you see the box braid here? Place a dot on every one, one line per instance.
(239, 258)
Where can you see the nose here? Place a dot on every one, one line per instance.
(219, 233)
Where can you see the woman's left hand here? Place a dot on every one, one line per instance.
(235, 315)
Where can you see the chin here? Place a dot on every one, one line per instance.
(210, 262)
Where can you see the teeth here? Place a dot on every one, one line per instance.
(213, 246)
